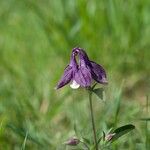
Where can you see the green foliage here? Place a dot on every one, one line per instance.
(36, 38)
(121, 131)
(100, 93)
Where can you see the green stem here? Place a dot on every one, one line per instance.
(146, 126)
(92, 119)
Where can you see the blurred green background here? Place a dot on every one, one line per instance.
(36, 38)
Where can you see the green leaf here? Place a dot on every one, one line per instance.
(104, 136)
(76, 130)
(100, 93)
(86, 140)
(22, 132)
(24, 142)
(145, 119)
(122, 131)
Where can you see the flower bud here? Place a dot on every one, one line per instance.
(72, 141)
(108, 137)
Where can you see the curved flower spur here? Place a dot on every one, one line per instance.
(82, 72)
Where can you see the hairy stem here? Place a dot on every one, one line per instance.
(92, 120)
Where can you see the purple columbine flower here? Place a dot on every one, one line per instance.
(82, 72)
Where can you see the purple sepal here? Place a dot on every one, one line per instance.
(98, 73)
(66, 78)
(83, 77)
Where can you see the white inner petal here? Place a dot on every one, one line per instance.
(74, 85)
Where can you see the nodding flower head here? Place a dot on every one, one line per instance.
(82, 72)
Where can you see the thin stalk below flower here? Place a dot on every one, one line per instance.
(92, 120)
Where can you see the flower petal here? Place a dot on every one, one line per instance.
(98, 73)
(66, 78)
(83, 76)
(74, 85)
(84, 59)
